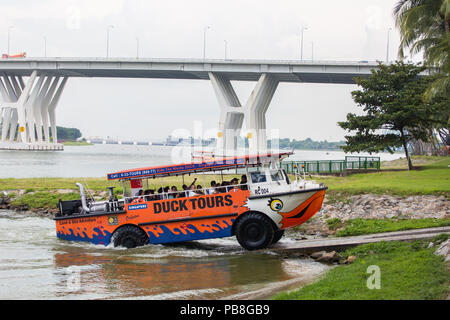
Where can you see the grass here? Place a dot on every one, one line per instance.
(334, 223)
(77, 143)
(354, 227)
(401, 163)
(432, 178)
(407, 271)
(42, 200)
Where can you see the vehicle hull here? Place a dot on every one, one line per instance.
(193, 218)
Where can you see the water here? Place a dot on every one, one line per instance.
(97, 160)
(34, 264)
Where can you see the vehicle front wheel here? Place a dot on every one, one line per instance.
(254, 231)
(129, 237)
(277, 236)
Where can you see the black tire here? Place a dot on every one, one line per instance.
(277, 236)
(129, 237)
(254, 231)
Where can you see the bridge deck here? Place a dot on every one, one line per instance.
(240, 70)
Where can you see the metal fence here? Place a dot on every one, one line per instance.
(332, 166)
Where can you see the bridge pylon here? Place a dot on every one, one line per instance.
(27, 111)
(233, 115)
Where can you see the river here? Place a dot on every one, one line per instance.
(34, 264)
(97, 160)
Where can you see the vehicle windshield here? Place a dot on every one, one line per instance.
(258, 177)
(276, 175)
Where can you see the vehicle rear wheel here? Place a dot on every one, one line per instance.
(277, 236)
(129, 237)
(254, 231)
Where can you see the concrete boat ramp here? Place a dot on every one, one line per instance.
(341, 243)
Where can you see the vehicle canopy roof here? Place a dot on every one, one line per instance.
(201, 166)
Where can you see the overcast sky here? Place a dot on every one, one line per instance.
(152, 109)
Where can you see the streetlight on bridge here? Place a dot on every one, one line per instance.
(204, 41)
(301, 45)
(107, 39)
(137, 48)
(9, 36)
(226, 43)
(45, 46)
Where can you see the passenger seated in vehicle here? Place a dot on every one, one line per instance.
(243, 185)
(212, 189)
(190, 192)
(183, 193)
(147, 195)
(139, 193)
(217, 189)
(193, 183)
(199, 189)
(226, 186)
(173, 193)
(152, 196)
(234, 183)
(159, 196)
(139, 197)
(166, 192)
(223, 187)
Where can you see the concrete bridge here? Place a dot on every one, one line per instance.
(28, 106)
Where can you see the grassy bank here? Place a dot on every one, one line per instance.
(354, 227)
(77, 143)
(407, 271)
(431, 178)
(42, 200)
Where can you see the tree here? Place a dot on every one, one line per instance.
(395, 113)
(425, 26)
(67, 134)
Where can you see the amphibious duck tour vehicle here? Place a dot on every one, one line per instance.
(257, 209)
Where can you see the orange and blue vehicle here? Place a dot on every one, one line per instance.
(257, 209)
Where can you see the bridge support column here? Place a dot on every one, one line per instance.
(233, 115)
(29, 107)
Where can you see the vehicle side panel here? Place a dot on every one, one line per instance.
(171, 220)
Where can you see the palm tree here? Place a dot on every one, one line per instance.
(425, 26)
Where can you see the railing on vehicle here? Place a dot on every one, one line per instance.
(332, 166)
(184, 193)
